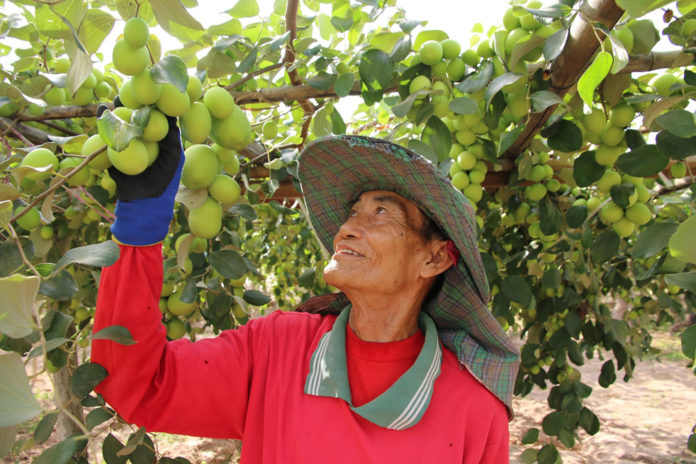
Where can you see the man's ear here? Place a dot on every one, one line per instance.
(439, 260)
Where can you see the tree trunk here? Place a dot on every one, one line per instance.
(65, 397)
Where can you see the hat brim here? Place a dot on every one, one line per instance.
(334, 171)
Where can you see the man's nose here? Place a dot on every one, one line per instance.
(353, 227)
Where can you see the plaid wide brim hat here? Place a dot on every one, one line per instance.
(334, 171)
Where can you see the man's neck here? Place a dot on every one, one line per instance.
(384, 321)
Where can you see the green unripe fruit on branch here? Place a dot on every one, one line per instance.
(200, 167)
(132, 160)
(194, 88)
(156, 128)
(622, 115)
(178, 307)
(623, 227)
(206, 220)
(419, 83)
(595, 121)
(55, 96)
(233, 132)
(607, 156)
(144, 89)
(678, 170)
(610, 213)
(535, 192)
(40, 158)
(639, 214)
(81, 177)
(136, 32)
(431, 52)
(663, 83)
(225, 189)
(176, 328)
(128, 60)
(450, 49)
(460, 180)
(611, 135)
(92, 144)
(196, 123)
(46, 233)
(173, 102)
(125, 94)
(608, 180)
(30, 220)
(219, 102)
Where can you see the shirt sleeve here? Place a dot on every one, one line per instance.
(497, 449)
(180, 387)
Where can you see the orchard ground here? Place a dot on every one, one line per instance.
(646, 420)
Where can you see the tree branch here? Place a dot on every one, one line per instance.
(34, 135)
(571, 63)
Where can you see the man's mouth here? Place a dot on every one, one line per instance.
(348, 251)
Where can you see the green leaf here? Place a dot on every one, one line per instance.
(555, 44)
(402, 108)
(249, 60)
(552, 423)
(96, 417)
(44, 428)
(678, 122)
(51, 344)
(478, 80)
(549, 218)
(100, 254)
(256, 298)
(115, 333)
(688, 341)
(637, 8)
(544, 99)
(62, 452)
(576, 215)
(653, 239)
(499, 82)
(344, 84)
(116, 132)
(531, 436)
(566, 136)
(322, 81)
(228, 263)
(110, 449)
(604, 247)
(169, 13)
(8, 435)
(338, 126)
(437, 135)
(401, 49)
(342, 24)
(675, 147)
(376, 67)
(621, 194)
(464, 105)
(85, 378)
(17, 403)
(593, 76)
(548, 454)
(61, 286)
(607, 376)
(589, 421)
(619, 54)
(644, 161)
(170, 70)
(19, 293)
(408, 26)
(244, 9)
(691, 443)
(95, 27)
(517, 289)
(685, 280)
(508, 139)
(682, 244)
(552, 278)
(645, 35)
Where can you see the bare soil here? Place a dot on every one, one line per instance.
(646, 420)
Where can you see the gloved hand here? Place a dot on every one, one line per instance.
(145, 202)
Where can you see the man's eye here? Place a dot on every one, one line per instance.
(353, 213)
(381, 209)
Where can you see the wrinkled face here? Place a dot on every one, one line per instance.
(380, 247)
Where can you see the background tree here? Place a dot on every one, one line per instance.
(570, 134)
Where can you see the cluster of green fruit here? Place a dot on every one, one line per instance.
(203, 168)
(468, 170)
(95, 87)
(541, 176)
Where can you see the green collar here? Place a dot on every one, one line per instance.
(401, 405)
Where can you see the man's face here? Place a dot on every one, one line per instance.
(380, 247)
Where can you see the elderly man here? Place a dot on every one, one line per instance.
(404, 365)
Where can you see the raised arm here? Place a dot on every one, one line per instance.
(177, 387)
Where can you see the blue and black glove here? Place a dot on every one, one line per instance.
(145, 202)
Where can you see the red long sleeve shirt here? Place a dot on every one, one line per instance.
(248, 383)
